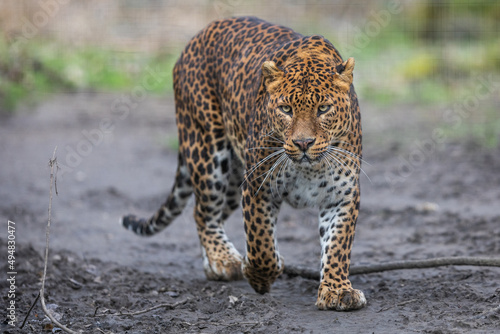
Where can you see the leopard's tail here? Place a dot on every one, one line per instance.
(173, 206)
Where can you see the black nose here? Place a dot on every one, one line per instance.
(304, 144)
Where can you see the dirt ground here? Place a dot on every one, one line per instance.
(427, 195)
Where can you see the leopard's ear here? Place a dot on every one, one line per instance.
(271, 75)
(343, 75)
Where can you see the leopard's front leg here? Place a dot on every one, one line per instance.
(262, 263)
(337, 224)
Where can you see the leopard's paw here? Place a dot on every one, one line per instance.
(261, 279)
(340, 299)
(223, 268)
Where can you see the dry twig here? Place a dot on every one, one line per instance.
(53, 171)
(166, 305)
(29, 311)
(399, 265)
(53, 183)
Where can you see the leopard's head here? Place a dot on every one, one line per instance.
(309, 104)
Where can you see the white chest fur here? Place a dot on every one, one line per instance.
(306, 187)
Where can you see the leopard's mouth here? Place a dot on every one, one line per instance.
(304, 158)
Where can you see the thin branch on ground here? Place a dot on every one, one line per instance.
(169, 306)
(53, 172)
(400, 265)
(165, 305)
(29, 311)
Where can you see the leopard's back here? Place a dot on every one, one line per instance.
(219, 71)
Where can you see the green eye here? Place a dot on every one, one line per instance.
(323, 109)
(286, 110)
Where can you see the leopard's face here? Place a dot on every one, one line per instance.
(309, 107)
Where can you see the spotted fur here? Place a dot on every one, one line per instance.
(266, 115)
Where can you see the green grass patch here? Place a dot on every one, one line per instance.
(412, 72)
(482, 127)
(36, 68)
(397, 65)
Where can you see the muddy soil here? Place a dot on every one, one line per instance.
(425, 196)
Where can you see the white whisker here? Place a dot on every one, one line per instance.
(269, 172)
(280, 174)
(254, 168)
(323, 155)
(347, 151)
(338, 152)
(339, 163)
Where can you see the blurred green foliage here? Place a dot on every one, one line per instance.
(33, 69)
(444, 20)
(429, 52)
(482, 128)
(424, 73)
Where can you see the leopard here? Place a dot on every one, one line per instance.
(265, 115)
